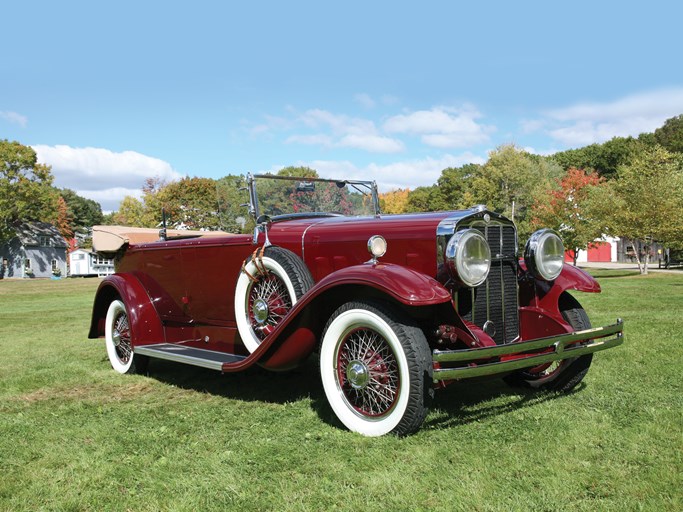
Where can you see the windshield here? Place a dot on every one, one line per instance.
(281, 196)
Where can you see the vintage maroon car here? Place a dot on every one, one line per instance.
(396, 306)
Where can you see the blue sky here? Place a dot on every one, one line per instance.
(110, 93)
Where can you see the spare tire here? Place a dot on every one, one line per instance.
(269, 285)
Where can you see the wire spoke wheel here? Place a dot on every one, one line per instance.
(119, 341)
(269, 302)
(121, 336)
(376, 369)
(267, 289)
(368, 373)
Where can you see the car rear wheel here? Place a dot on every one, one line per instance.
(562, 375)
(267, 289)
(376, 369)
(118, 340)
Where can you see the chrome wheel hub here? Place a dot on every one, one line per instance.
(358, 374)
(260, 311)
(116, 337)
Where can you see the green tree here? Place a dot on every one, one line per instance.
(670, 134)
(190, 203)
(511, 181)
(455, 185)
(86, 213)
(645, 202)
(604, 158)
(131, 212)
(232, 196)
(425, 199)
(26, 191)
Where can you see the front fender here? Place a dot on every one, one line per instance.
(404, 284)
(145, 325)
(545, 295)
(296, 336)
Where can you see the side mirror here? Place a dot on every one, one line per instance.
(263, 223)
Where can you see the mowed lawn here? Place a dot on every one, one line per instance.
(74, 435)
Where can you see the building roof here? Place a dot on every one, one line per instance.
(37, 233)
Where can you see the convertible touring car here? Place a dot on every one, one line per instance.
(394, 306)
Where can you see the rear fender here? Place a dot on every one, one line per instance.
(145, 325)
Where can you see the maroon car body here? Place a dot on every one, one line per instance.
(390, 328)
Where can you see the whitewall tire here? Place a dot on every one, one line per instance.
(266, 291)
(376, 370)
(118, 340)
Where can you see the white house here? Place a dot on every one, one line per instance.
(83, 262)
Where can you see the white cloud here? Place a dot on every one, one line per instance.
(403, 174)
(313, 140)
(110, 198)
(587, 123)
(372, 143)
(344, 131)
(101, 174)
(14, 118)
(364, 100)
(442, 127)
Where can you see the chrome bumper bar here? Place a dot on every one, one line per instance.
(471, 358)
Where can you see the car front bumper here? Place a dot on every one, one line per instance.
(477, 362)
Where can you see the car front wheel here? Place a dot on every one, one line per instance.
(563, 375)
(376, 369)
(118, 340)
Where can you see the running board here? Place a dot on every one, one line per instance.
(189, 355)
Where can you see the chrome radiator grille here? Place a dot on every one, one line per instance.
(496, 301)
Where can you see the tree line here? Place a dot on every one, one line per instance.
(27, 194)
(628, 186)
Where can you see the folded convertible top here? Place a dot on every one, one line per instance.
(111, 239)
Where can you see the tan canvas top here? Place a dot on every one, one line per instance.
(109, 239)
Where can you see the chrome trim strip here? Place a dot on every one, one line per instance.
(558, 343)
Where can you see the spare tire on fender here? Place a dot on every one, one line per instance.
(272, 280)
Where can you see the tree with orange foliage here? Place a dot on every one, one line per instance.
(565, 210)
(64, 219)
(395, 201)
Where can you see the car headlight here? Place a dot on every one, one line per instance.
(544, 254)
(468, 257)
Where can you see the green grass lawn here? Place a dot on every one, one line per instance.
(74, 435)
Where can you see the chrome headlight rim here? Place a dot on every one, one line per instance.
(456, 250)
(537, 258)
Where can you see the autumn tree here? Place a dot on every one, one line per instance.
(26, 191)
(645, 202)
(394, 201)
(565, 210)
(64, 219)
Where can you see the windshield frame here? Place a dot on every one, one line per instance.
(255, 210)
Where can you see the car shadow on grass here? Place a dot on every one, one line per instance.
(459, 404)
(466, 402)
(254, 384)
